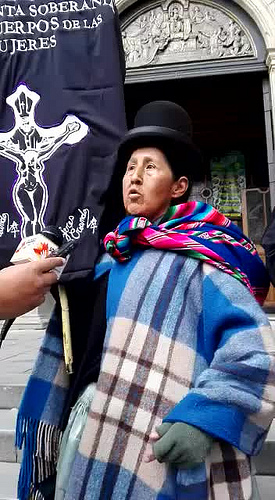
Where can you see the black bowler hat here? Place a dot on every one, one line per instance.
(167, 126)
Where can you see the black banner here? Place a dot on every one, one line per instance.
(61, 118)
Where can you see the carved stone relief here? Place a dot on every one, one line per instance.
(184, 31)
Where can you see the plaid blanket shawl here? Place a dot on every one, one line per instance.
(40, 413)
(167, 317)
(187, 343)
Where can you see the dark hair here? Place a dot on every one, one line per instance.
(179, 169)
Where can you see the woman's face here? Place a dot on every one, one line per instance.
(149, 184)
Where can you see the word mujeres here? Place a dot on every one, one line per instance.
(13, 45)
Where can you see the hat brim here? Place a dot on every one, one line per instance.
(164, 139)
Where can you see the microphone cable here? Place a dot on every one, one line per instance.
(5, 328)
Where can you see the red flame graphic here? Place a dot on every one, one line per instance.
(42, 249)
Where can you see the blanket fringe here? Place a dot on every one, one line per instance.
(41, 444)
(35, 494)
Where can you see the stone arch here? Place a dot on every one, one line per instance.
(261, 13)
(212, 36)
(207, 35)
(259, 10)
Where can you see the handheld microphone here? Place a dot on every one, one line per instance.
(39, 246)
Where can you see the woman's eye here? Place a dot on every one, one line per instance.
(130, 168)
(150, 166)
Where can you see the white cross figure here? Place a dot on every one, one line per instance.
(29, 146)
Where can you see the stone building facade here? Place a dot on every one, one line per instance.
(261, 12)
(217, 59)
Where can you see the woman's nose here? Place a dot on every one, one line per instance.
(137, 175)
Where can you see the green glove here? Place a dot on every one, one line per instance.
(181, 445)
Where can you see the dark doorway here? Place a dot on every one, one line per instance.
(227, 113)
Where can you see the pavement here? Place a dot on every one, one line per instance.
(17, 356)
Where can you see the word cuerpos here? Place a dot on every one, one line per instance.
(38, 20)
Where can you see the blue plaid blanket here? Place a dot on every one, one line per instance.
(40, 412)
(184, 342)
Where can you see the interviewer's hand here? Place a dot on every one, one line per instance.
(24, 286)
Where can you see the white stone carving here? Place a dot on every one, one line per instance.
(184, 31)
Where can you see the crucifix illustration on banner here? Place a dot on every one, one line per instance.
(29, 146)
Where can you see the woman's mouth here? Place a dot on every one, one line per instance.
(133, 194)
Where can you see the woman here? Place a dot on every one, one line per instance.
(184, 396)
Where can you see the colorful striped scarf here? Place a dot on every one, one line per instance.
(196, 230)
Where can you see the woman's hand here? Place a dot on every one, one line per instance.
(178, 444)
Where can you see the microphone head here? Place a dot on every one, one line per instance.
(38, 246)
(53, 234)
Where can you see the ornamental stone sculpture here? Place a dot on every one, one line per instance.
(184, 31)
